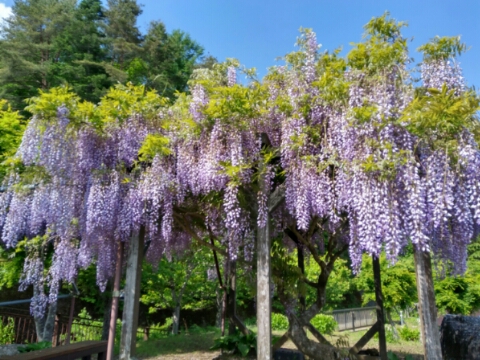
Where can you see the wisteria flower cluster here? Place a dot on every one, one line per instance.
(346, 159)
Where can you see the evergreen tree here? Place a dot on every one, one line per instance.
(33, 47)
(123, 35)
(89, 51)
(171, 58)
(48, 43)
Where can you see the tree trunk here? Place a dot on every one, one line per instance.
(224, 311)
(218, 317)
(313, 349)
(301, 266)
(50, 322)
(392, 324)
(460, 337)
(426, 305)
(176, 319)
(45, 325)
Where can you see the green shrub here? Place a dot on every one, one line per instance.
(34, 347)
(409, 334)
(389, 335)
(7, 331)
(237, 344)
(392, 356)
(251, 321)
(326, 324)
(279, 322)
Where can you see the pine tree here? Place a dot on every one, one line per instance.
(170, 58)
(89, 42)
(32, 42)
(123, 35)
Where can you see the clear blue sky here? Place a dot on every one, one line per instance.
(258, 31)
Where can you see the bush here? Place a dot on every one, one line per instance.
(237, 344)
(326, 324)
(7, 331)
(408, 334)
(389, 335)
(34, 347)
(392, 356)
(279, 322)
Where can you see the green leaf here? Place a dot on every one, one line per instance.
(244, 349)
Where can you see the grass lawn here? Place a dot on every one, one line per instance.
(196, 345)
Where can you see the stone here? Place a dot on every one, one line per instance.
(460, 337)
(7, 350)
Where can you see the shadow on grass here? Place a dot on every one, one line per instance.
(177, 344)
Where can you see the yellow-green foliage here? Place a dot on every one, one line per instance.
(119, 103)
(331, 82)
(11, 130)
(383, 47)
(154, 144)
(123, 101)
(441, 48)
(439, 116)
(237, 104)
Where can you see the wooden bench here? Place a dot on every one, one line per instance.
(81, 350)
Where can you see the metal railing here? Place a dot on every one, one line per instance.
(20, 329)
(351, 319)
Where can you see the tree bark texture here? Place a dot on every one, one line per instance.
(382, 341)
(115, 298)
(132, 295)
(176, 319)
(232, 296)
(426, 305)
(460, 337)
(264, 302)
(312, 349)
(45, 326)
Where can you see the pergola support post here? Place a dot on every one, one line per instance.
(114, 308)
(382, 341)
(426, 305)
(264, 302)
(132, 295)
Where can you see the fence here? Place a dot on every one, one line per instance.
(20, 329)
(351, 319)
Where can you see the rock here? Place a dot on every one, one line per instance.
(287, 354)
(460, 337)
(7, 350)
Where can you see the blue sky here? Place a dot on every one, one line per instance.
(258, 31)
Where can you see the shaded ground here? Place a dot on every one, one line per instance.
(195, 346)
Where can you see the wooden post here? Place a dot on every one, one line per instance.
(264, 305)
(232, 296)
(382, 341)
(114, 310)
(426, 305)
(132, 296)
(70, 321)
(56, 332)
